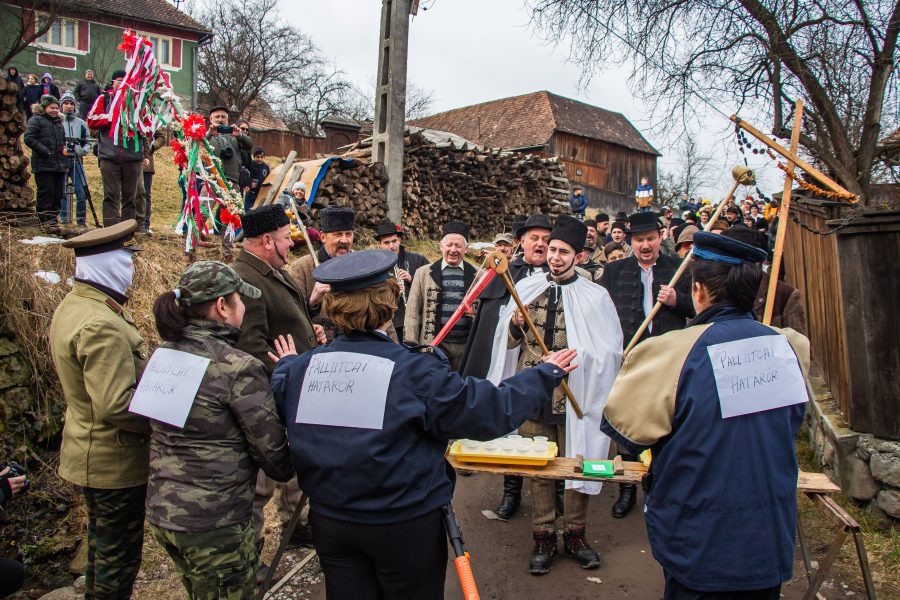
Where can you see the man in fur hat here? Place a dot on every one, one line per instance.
(568, 311)
(437, 291)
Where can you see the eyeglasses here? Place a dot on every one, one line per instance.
(244, 129)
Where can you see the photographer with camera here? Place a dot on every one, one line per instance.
(228, 141)
(121, 166)
(78, 144)
(13, 482)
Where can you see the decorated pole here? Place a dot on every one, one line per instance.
(742, 176)
(492, 266)
(782, 217)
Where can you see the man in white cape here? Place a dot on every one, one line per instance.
(569, 311)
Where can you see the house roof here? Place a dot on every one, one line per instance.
(530, 120)
(159, 12)
(259, 115)
(892, 139)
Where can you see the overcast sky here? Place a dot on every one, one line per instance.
(470, 51)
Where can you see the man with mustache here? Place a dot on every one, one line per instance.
(336, 227)
(635, 283)
(437, 291)
(533, 235)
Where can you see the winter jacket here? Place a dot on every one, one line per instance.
(77, 129)
(47, 140)
(49, 87)
(87, 91)
(33, 94)
(98, 120)
(231, 161)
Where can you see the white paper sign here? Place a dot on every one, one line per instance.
(756, 374)
(169, 385)
(345, 389)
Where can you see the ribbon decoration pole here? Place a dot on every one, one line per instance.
(742, 176)
(782, 218)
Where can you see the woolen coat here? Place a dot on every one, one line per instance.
(423, 305)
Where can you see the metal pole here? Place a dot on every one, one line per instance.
(390, 100)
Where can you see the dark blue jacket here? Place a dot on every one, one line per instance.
(399, 472)
(578, 204)
(721, 509)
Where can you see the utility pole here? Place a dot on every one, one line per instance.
(390, 98)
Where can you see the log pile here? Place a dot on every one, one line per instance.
(15, 193)
(445, 181)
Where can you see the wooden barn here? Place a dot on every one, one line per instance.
(600, 149)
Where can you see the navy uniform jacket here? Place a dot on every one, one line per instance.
(721, 509)
(399, 472)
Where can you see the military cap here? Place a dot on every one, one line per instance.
(336, 218)
(106, 239)
(264, 219)
(218, 108)
(536, 221)
(643, 221)
(206, 280)
(387, 227)
(719, 248)
(457, 227)
(571, 231)
(356, 270)
(503, 238)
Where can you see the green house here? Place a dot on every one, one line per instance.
(85, 35)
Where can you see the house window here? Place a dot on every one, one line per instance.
(63, 33)
(162, 48)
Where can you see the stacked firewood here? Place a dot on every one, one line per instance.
(447, 180)
(15, 193)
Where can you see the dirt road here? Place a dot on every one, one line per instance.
(500, 552)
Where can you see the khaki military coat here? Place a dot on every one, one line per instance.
(99, 357)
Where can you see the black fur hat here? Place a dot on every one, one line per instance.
(336, 218)
(571, 231)
(264, 219)
(456, 227)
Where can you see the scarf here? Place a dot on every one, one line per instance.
(113, 270)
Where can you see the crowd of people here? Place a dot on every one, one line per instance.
(288, 339)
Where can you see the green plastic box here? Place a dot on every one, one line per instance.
(598, 468)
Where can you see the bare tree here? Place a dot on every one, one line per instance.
(252, 54)
(310, 96)
(418, 101)
(762, 55)
(18, 27)
(694, 167)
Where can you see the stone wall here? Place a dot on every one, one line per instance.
(16, 395)
(867, 468)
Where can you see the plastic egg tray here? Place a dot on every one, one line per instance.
(510, 450)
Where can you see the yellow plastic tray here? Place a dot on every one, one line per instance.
(504, 459)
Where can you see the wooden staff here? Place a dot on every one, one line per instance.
(792, 156)
(534, 331)
(782, 218)
(742, 176)
(305, 232)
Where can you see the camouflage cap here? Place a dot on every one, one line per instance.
(206, 280)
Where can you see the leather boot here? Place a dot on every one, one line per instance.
(560, 497)
(543, 552)
(575, 544)
(627, 495)
(512, 496)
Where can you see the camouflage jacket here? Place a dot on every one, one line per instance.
(202, 476)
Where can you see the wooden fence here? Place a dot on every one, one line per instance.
(850, 283)
(280, 143)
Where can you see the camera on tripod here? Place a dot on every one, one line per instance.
(71, 144)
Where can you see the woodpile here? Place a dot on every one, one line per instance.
(15, 193)
(447, 180)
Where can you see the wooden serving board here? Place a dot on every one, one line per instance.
(565, 468)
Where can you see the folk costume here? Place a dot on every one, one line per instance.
(437, 291)
(409, 262)
(377, 485)
(711, 455)
(572, 313)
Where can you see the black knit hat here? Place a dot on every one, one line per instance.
(118, 74)
(618, 225)
(602, 217)
(457, 227)
(386, 228)
(336, 218)
(571, 231)
(643, 221)
(264, 219)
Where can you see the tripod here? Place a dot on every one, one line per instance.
(74, 178)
